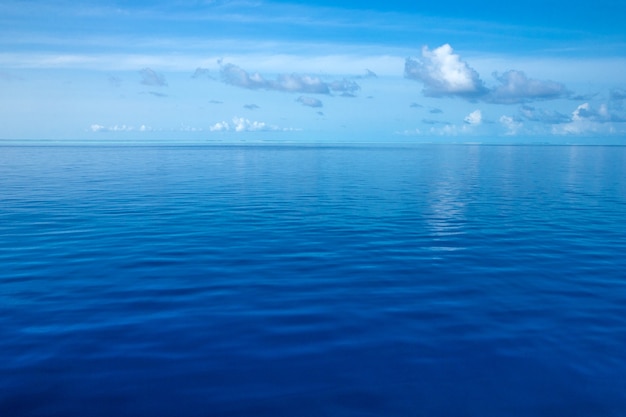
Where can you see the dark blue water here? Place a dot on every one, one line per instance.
(313, 281)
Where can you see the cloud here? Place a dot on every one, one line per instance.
(216, 102)
(586, 119)
(119, 128)
(157, 94)
(115, 81)
(474, 118)
(149, 77)
(368, 74)
(512, 126)
(516, 87)
(219, 127)
(240, 124)
(201, 72)
(617, 94)
(435, 110)
(433, 122)
(415, 106)
(444, 73)
(251, 106)
(309, 101)
(293, 83)
(532, 114)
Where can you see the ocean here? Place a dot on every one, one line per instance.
(312, 280)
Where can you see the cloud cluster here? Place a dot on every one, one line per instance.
(150, 77)
(444, 73)
(584, 119)
(240, 124)
(293, 83)
(119, 128)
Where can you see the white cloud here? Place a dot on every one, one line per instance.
(119, 128)
(474, 118)
(241, 124)
(512, 126)
(219, 127)
(444, 73)
(586, 119)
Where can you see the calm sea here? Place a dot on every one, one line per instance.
(429, 280)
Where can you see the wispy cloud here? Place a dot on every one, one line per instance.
(251, 106)
(511, 125)
(293, 83)
(115, 81)
(516, 87)
(533, 114)
(150, 77)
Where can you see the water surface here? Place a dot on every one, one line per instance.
(313, 281)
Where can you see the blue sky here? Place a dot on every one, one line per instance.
(218, 70)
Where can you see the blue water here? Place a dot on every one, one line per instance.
(313, 281)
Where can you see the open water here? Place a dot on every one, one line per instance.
(424, 280)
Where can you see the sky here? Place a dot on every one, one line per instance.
(280, 71)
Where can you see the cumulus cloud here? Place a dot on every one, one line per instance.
(516, 87)
(309, 101)
(295, 83)
(150, 77)
(240, 124)
(443, 73)
(474, 118)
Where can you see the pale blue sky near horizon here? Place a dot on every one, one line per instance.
(317, 71)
